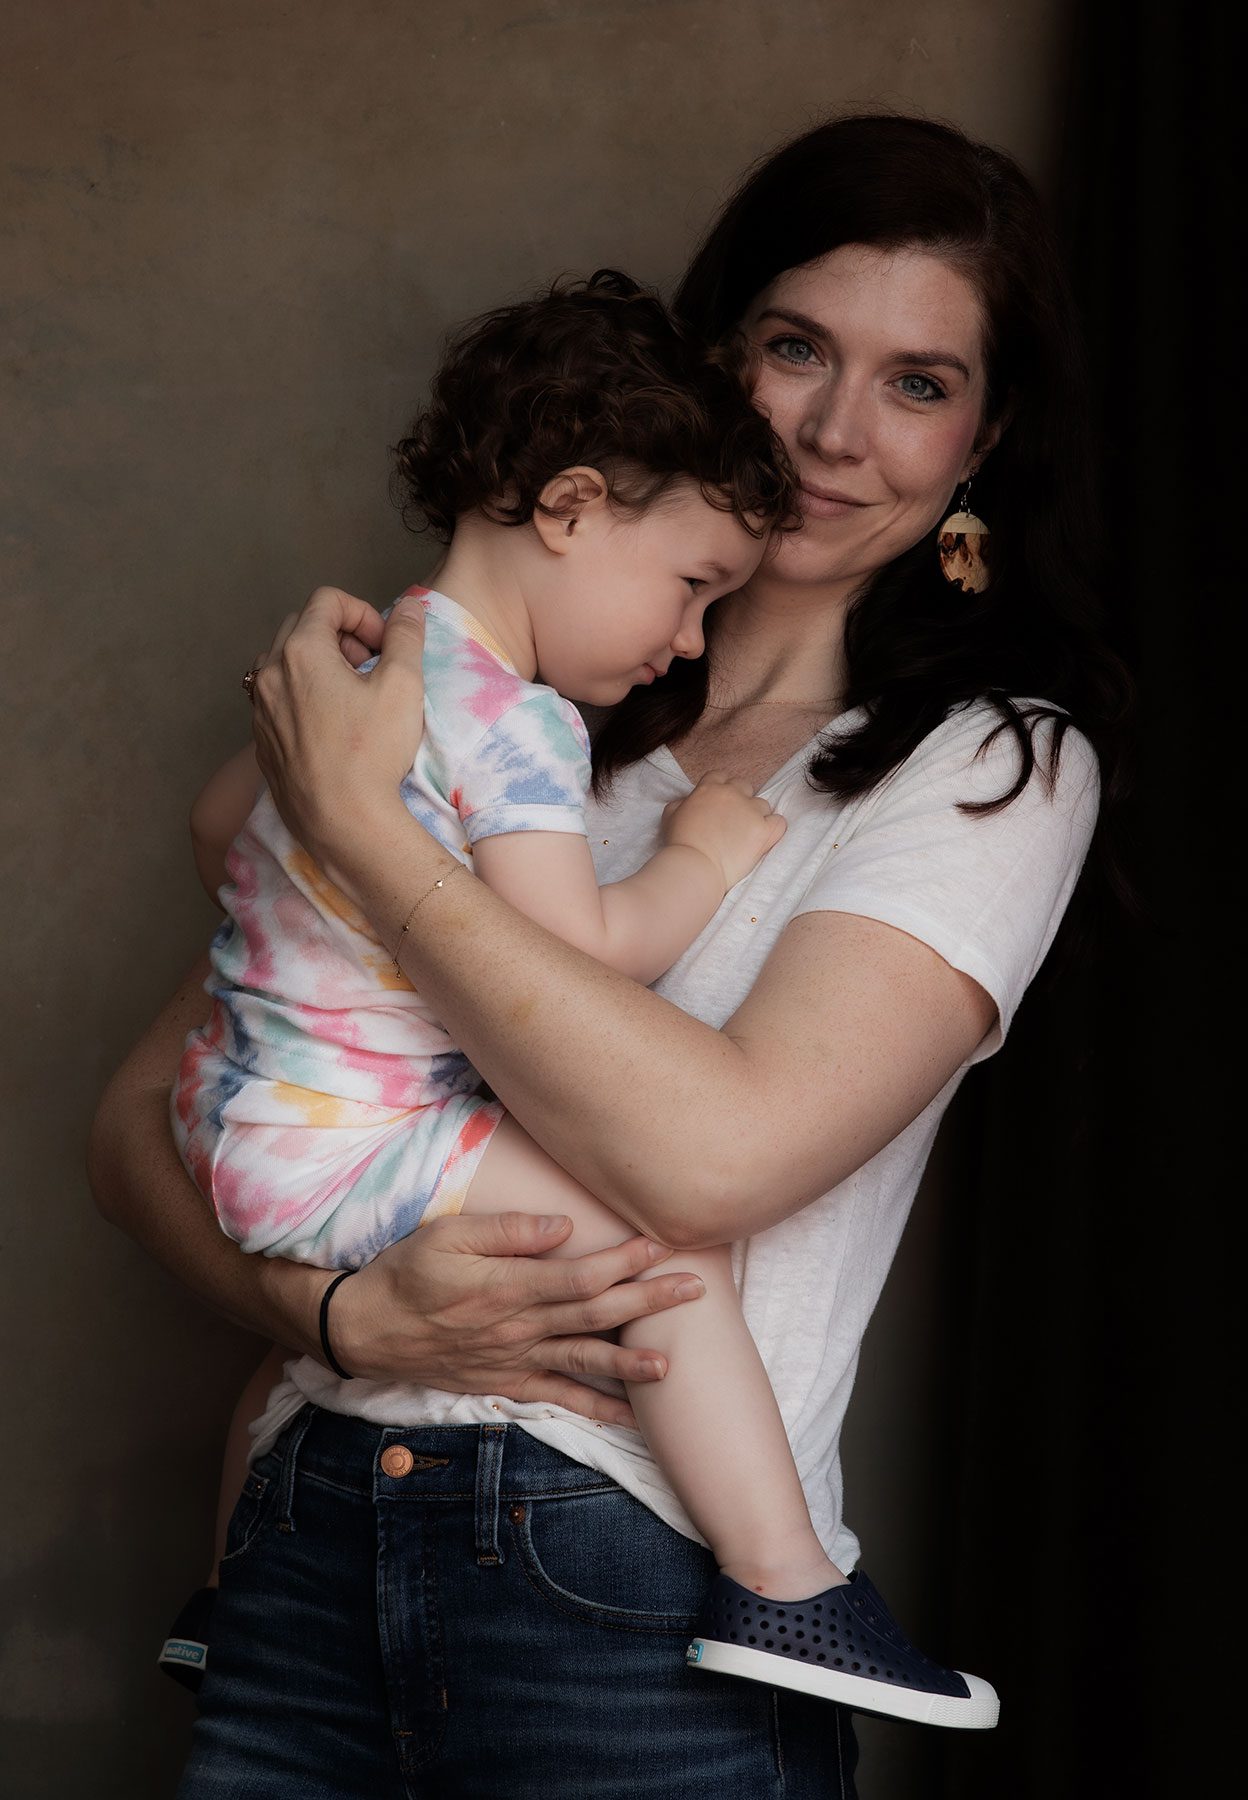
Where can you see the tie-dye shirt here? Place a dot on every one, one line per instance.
(312, 1023)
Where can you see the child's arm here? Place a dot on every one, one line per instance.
(219, 813)
(712, 839)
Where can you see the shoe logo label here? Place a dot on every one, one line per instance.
(180, 1650)
(694, 1653)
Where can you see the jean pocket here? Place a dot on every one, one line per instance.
(608, 1559)
(251, 1509)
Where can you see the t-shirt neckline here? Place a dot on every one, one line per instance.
(442, 606)
(663, 755)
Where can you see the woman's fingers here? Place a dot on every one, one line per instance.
(331, 609)
(332, 748)
(354, 649)
(559, 1390)
(576, 1294)
(401, 668)
(503, 1234)
(469, 1304)
(280, 636)
(621, 1304)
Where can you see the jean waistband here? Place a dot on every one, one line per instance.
(430, 1462)
(486, 1466)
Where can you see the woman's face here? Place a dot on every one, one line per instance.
(871, 370)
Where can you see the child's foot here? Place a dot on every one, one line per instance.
(184, 1653)
(840, 1645)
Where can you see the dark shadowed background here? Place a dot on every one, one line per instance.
(234, 233)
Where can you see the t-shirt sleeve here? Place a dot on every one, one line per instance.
(986, 891)
(529, 771)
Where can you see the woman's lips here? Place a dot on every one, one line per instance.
(829, 506)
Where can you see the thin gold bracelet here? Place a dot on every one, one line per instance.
(416, 906)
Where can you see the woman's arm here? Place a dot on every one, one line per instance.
(140, 1184)
(460, 1305)
(695, 1135)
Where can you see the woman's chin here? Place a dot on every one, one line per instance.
(812, 563)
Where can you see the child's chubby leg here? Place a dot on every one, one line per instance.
(712, 1422)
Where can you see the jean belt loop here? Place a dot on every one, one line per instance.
(489, 1478)
(286, 1497)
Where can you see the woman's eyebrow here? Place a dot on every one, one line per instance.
(808, 327)
(933, 359)
(927, 359)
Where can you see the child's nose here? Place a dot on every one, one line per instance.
(689, 640)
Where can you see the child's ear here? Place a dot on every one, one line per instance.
(570, 499)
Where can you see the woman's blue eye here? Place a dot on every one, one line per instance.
(781, 346)
(934, 389)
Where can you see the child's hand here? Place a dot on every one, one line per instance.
(727, 822)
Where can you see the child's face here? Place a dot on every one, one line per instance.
(629, 592)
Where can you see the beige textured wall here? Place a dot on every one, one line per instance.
(233, 232)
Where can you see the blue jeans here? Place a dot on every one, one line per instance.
(459, 1612)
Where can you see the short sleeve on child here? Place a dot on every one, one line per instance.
(529, 771)
(986, 891)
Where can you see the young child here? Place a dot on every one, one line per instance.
(600, 481)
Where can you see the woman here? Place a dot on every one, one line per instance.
(420, 1589)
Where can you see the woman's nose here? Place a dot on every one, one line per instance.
(837, 423)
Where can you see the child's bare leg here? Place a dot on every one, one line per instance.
(712, 1422)
(238, 1445)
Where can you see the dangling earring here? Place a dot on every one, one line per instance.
(963, 552)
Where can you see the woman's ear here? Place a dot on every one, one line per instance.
(985, 443)
(570, 500)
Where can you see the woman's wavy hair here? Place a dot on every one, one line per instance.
(594, 372)
(917, 647)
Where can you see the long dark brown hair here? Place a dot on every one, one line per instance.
(918, 648)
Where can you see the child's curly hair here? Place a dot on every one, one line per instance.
(595, 372)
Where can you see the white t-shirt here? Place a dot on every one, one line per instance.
(986, 892)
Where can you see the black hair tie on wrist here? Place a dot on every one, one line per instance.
(326, 1348)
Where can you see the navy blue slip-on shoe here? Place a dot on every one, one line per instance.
(184, 1653)
(840, 1645)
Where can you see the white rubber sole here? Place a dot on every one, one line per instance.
(978, 1713)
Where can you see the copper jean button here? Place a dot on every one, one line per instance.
(397, 1460)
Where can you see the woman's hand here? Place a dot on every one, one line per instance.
(463, 1305)
(333, 745)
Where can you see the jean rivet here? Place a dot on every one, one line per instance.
(516, 1515)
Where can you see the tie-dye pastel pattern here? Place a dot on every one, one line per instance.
(322, 1109)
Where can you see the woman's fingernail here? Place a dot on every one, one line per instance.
(656, 1252)
(690, 1288)
(551, 1222)
(650, 1371)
